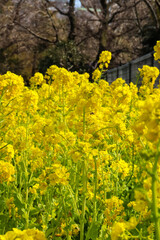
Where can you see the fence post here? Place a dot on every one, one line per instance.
(133, 67)
(117, 72)
(130, 72)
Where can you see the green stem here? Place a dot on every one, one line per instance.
(83, 201)
(66, 217)
(74, 201)
(154, 198)
(84, 121)
(27, 210)
(95, 191)
(84, 180)
(77, 182)
(63, 105)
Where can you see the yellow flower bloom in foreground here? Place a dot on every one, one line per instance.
(59, 175)
(157, 51)
(96, 75)
(35, 234)
(105, 56)
(29, 234)
(2, 238)
(149, 74)
(29, 100)
(132, 223)
(117, 229)
(114, 208)
(122, 167)
(6, 171)
(7, 151)
(11, 84)
(148, 123)
(37, 79)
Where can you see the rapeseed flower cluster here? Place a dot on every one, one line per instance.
(157, 51)
(6, 172)
(104, 60)
(29, 234)
(149, 76)
(77, 157)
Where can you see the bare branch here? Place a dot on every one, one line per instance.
(154, 16)
(33, 33)
(53, 26)
(158, 3)
(122, 10)
(125, 32)
(137, 17)
(84, 39)
(88, 8)
(59, 10)
(17, 9)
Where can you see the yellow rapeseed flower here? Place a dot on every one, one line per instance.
(37, 79)
(6, 172)
(117, 229)
(28, 234)
(157, 51)
(105, 57)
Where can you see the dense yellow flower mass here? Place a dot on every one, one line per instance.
(6, 172)
(105, 57)
(29, 234)
(157, 51)
(149, 74)
(79, 160)
(37, 79)
(11, 85)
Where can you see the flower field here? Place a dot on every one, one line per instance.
(79, 160)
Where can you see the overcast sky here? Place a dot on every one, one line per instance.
(77, 3)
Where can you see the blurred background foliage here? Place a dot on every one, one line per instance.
(72, 33)
(64, 54)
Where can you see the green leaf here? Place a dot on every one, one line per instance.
(2, 205)
(49, 231)
(18, 201)
(34, 211)
(3, 217)
(92, 233)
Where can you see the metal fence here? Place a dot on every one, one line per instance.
(129, 71)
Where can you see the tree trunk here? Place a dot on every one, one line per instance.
(71, 16)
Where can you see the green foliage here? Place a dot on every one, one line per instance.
(64, 54)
